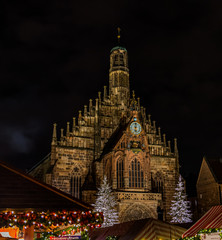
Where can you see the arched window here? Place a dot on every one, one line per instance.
(119, 173)
(75, 183)
(135, 174)
(157, 183)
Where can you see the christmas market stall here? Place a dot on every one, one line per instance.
(149, 229)
(208, 227)
(32, 209)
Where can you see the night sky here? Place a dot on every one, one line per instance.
(55, 56)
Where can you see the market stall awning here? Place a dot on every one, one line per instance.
(19, 190)
(211, 219)
(149, 229)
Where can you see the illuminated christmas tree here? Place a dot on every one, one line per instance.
(179, 210)
(105, 202)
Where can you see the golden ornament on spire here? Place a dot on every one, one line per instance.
(118, 35)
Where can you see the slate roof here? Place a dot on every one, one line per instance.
(115, 137)
(90, 182)
(215, 165)
(19, 190)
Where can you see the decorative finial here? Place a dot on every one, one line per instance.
(67, 130)
(74, 124)
(118, 36)
(104, 94)
(54, 137)
(175, 146)
(133, 94)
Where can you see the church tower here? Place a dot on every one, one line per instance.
(119, 89)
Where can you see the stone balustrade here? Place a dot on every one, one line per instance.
(138, 196)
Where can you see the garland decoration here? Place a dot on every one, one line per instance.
(50, 221)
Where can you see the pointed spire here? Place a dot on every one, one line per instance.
(138, 100)
(73, 124)
(169, 146)
(141, 109)
(175, 146)
(105, 93)
(97, 105)
(154, 126)
(99, 96)
(67, 130)
(80, 117)
(90, 106)
(149, 119)
(144, 113)
(118, 35)
(164, 140)
(85, 110)
(54, 135)
(62, 136)
(159, 132)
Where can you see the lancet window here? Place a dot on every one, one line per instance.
(157, 183)
(136, 177)
(119, 173)
(75, 183)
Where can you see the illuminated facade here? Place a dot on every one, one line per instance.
(114, 137)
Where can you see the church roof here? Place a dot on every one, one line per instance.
(215, 165)
(115, 137)
(118, 47)
(19, 190)
(89, 183)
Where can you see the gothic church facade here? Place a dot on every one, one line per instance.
(114, 137)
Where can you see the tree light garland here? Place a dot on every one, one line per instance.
(51, 221)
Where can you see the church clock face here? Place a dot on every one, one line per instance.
(135, 128)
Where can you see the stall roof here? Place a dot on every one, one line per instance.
(148, 228)
(19, 190)
(211, 219)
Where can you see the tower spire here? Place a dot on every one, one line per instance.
(118, 35)
(54, 137)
